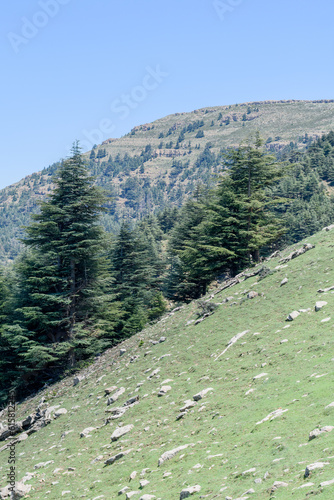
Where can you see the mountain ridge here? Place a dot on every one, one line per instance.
(160, 164)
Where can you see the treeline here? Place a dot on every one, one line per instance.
(77, 290)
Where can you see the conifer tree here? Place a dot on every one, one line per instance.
(62, 276)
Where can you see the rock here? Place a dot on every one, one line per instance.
(201, 394)
(249, 471)
(278, 484)
(297, 253)
(58, 413)
(143, 483)
(121, 431)
(133, 475)
(331, 405)
(319, 305)
(122, 351)
(109, 390)
(120, 455)
(258, 480)
(317, 432)
(272, 416)
(147, 497)
(293, 315)
(131, 401)
(259, 376)
(326, 289)
(252, 294)
(284, 282)
(327, 483)
(187, 405)
(97, 459)
(153, 374)
(232, 341)
(78, 379)
(164, 389)
(130, 494)
(162, 339)
(316, 465)
(328, 228)
(171, 454)
(86, 431)
(189, 491)
(123, 490)
(181, 415)
(20, 490)
(43, 464)
(115, 396)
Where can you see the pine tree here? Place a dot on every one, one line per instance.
(62, 275)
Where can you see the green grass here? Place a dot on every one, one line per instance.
(227, 425)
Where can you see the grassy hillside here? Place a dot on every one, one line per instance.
(235, 443)
(161, 163)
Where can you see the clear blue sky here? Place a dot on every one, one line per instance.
(84, 69)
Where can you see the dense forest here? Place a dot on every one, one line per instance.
(77, 289)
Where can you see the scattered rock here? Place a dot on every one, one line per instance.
(259, 376)
(297, 253)
(130, 494)
(120, 455)
(58, 413)
(121, 431)
(293, 315)
(331, 405)
(115, 396)
(252, 294)
(122, 351)
(164, 389)
(232, 341)
(316, 465)
(109, 390)
(154, 373)
(319, 305)
(284, 281)
(326, 289)
(147, 497)
(328, 228)
(78, 379)
(86, 432)
(171, 454)
(327, 483)
(43, 464)
(143, 483)
(123, 490)
(162, 339)
(278, 484)
(272, 416)
(188, 404)
(201, 394)
(249, 471)
(187, 492)
(133, 475)
(317, 432)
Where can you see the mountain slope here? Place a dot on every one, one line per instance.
(161, 163)
(270, 388)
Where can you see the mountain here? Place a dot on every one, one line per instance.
(159, 164)
(237, 403)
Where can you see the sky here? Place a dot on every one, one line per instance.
(93, 69)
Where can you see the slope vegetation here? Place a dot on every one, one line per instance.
(267, 384)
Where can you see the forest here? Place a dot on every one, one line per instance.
(76, 289)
